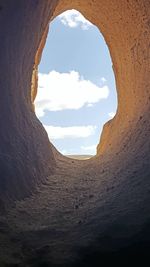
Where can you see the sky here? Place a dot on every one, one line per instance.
(76, 85)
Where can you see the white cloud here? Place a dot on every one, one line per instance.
(111, 114)
(56, 132)
(103, 79)
(89, 149)
(73, 18)
(59, 91)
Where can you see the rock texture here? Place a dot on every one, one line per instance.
(26, 158)
(81, 213)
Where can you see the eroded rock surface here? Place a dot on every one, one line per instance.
(76, 213)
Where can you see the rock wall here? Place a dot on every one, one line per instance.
(24, 143)
(126, 32)
(125, 27)
(26, 157)
(119, 207)
(34, 82)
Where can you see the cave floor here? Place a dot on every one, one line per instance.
(66, 214)
(53, 219)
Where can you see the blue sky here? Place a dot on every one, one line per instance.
(76, 91)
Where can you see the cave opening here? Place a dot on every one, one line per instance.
(76, 92)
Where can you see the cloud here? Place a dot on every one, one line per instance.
(89, 149)
(103, 79)
(73, 18)
(111, 114)
(61, 91)
(56, 132)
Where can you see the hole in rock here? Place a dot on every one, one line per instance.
(76, 86)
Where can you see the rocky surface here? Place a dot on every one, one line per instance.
(56, 211)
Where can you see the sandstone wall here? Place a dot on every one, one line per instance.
(121, 168)
(125, 27)
(24, 143)
(126, 32)
(26, 158)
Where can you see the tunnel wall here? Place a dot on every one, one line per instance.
(125, 27)
(26, 154)
(26, 158)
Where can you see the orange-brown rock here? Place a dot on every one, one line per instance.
(34, 82)
(82, 212)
